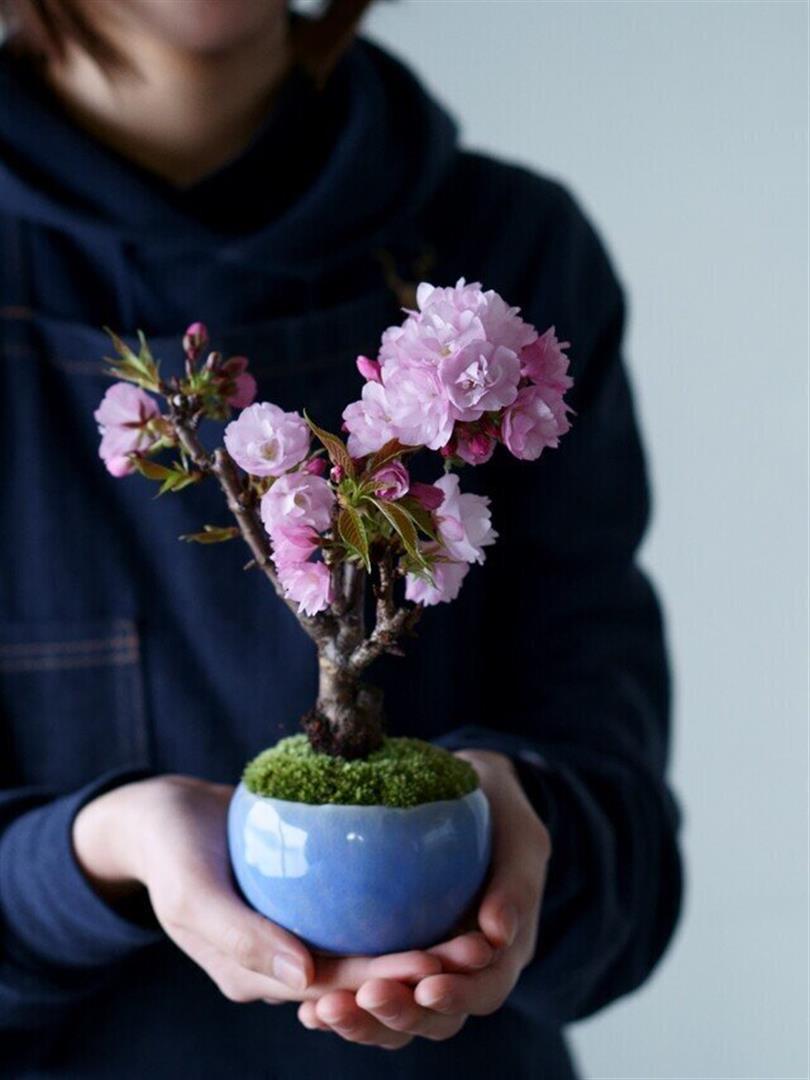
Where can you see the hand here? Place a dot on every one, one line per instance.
(385, 1012)
(169, 835)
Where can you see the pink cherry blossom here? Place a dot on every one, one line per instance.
(391, 481)
(420, 410)
(474, 447)
(545, 363)
(414, 344)
(293, 544)
(369, 369)
(480, 378)
(447, 579)
(533, 423)
(266, 441)
(368, 421)
(453, 308)
(122, 418)
(309, 584)
(428, 495)
(299, 499)
(464, 521)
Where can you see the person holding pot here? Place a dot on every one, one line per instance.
(286, 180)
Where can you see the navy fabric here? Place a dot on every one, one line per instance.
(123, 653)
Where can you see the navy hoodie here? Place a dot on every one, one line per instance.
(123, 654)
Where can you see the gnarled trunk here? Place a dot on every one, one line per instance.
(347, 720)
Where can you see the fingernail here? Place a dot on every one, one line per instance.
(509, 921)
(476, 965)
(290, 971)
(387, 1010)
(441, 1001)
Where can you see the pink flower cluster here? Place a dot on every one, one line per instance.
(266, 441)
(464, 529)
(296, 509)
(462, 372)
(124, 418)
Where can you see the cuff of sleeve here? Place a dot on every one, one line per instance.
(46, 902)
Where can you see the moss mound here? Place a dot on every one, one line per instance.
(403, 772)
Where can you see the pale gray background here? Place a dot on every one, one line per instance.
(682, 127)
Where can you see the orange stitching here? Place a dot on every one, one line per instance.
(129, 641)
(57, 663)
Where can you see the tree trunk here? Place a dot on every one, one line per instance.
(347, 720)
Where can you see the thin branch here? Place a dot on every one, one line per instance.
(384, 637)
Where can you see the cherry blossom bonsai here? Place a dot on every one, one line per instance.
(327, 518)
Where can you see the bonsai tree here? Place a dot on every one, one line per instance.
(327, 519)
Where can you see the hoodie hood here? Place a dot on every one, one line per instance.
(330, 176)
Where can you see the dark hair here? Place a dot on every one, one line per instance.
(41, 28)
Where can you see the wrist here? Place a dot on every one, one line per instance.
(489, 764)
(106, 845)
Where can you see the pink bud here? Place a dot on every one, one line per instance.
(316, 466)
(428, 495)
(244, 391)
(369, 369)
(235, 366)
(392, 481)
(195, 339)
(474, 447)
(336, 474)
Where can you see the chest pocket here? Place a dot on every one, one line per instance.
(71, 701)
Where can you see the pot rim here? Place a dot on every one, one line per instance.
(355, 807)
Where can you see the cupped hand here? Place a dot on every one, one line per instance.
(388, 1013)
(169, 834)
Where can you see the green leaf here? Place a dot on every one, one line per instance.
(151, 469)
(402, 523)
(335, 447)
(422, 517)
(140, 369)
(212, 534)
(353, 533)
(178, 480)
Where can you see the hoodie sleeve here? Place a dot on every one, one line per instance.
(575, 646)
(58, 936)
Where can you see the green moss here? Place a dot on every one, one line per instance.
(403, 772)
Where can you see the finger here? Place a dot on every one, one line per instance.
(219, 917)
(466, 952)
(393, 1005)
(308, 1016)
(477, 995)
(234, 982)
(339, 1010)
(350, 972)
(514, 890)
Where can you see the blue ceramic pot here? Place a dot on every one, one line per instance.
(360, 879)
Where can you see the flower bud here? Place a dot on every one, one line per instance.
(474, 447)
(336, 474)
(369, 369)
(316, 466)
(391, 481)
(194, 340)
(428, 495)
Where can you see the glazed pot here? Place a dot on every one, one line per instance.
(360, 879)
